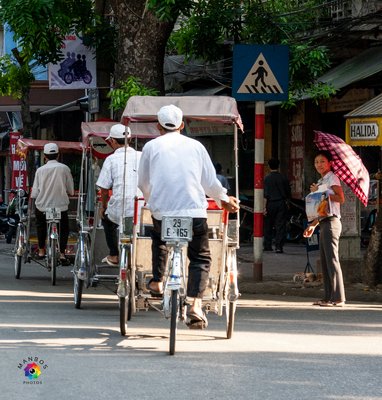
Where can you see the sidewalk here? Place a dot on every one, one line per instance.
(278, 273)
(279, 270)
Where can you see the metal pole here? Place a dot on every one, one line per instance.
(258, 206)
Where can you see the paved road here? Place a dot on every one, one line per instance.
(283, 348)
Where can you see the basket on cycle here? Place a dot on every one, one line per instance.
(205, 118)
(26, 243)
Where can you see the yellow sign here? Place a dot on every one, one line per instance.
(364, 131)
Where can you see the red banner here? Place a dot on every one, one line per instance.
(18, 164)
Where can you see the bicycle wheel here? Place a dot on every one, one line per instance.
(81, 268)
(124, 312)
(53, 259)
(78, 284)
(231, 292)
(18, 247)
(125, 289)
(175, 304)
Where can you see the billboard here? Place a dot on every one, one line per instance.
(77, 69)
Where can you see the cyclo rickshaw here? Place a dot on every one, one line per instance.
(89, 268)
(26, 243)
(205, 118)
(209, 117)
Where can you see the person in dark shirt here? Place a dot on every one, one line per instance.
(276, 193)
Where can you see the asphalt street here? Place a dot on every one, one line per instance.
(282, 348)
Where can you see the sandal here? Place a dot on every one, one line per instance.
(64, 261)
(108, 262)
(154, 293)
(197, 321)
(319, 302)
(39, 256)
(327, 304)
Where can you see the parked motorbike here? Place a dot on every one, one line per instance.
(295, 225)
(4, 227)
(366, 230)
(297, 220)
(13, 216)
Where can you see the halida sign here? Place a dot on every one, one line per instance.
(364, 131)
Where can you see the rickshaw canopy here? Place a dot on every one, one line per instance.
(140, 113)
(24, 145)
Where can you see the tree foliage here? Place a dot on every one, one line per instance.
(214, 26)
(39, 28)
(131, 87)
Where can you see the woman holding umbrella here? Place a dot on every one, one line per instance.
(330, 231)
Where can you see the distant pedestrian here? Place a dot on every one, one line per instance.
(276, 194)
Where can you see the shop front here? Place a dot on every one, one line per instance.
(364, 131)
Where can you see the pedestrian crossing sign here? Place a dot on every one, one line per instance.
(260, 72)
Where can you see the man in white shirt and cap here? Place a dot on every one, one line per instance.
(175, 175)
(116, 167)
(52, 186)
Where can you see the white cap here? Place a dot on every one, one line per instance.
(118, 131)
(170, 117)
(51, 148)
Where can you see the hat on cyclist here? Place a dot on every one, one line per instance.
(118, 131)
(170, 117)
(51, 148)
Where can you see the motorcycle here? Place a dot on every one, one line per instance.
(12, 213)
(296, 221)
(295, 226)
(366, 230)
(4, 219)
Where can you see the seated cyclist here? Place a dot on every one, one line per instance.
(53, 183)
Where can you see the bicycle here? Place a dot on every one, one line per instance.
(53, 216)
(176, 232)
(20, 249)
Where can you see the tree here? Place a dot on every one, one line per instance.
(214, 26)
(39, 28)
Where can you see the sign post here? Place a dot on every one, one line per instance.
(260, 73)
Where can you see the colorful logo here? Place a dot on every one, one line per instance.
(32, 371)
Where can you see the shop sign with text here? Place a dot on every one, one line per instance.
(363, 131)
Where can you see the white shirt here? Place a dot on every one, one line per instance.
(111, 177)
(51, 186)
(330, 179)
(175, 175)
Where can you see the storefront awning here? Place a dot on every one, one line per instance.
(358, 68)
(364, 124)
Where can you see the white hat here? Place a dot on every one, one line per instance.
(170, 117)
(118, 131)
(51, 148)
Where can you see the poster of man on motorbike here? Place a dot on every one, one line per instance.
(77, 69)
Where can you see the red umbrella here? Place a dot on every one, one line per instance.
(346, 164)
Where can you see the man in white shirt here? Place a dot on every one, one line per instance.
(52, 184)
(112, 177)
(175, 175)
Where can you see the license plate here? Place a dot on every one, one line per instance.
(176, 228)
(52, 213)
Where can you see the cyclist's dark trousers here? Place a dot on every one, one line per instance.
(198, 252)
(111, 235)
(63, 229)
